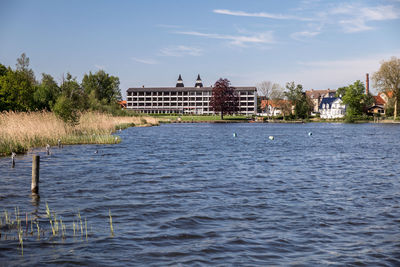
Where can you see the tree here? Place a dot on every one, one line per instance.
(387, 79)
(271, 91)
(268, 89)
(71, 101)
(46, 93)
(224, 98)
(3, 72)
(16, 91)
(17, 87)
(102, 87)
(355, 99)
(298, 98)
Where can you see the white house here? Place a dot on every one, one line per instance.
(332, 108)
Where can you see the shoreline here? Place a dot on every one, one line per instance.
(22, 131)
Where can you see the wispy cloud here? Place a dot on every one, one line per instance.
(258, 15)
(239, 40)
(354, 18)
(181, 50)
(300, 36)
(145, 61)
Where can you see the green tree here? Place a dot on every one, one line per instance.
(3, 72)
(355, 99)
(16, 91)
(298, 98)
(66, 110)
(387, 79)
(46, 93)
(71, 101)
(102, 86)
(224, 98)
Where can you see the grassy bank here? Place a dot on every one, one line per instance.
(21, 131)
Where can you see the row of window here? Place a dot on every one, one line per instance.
(182, 109)
(202, 93)
(187, 104)
(167, 98)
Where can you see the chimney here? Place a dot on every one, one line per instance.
(367, 85)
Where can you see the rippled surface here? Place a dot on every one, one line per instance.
(192, 194)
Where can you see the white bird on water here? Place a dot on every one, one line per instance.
(271, 137)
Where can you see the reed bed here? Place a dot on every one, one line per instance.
(21, 131)
(13, 227)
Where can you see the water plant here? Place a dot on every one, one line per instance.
(111, 225)
(15, 230)
(20, 131)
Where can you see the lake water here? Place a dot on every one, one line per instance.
(193, 194)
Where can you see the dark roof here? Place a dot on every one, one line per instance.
(328, 100)
(198, 81)
(179, 89)
(180, 82)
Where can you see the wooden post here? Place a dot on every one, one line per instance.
(13, 159)
(35, 174)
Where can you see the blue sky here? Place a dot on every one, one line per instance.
(319, 44)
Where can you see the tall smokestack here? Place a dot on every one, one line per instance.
(367, 85)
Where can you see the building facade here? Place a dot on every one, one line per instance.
(316, 97)
(332, 108)
(185, 100)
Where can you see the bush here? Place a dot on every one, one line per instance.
(66, 110)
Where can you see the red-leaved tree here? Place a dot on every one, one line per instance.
(224, 98)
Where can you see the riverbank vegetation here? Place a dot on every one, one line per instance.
(21, 91)
(21, 131)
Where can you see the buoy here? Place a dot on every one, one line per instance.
(234, 134)
(271, 137)
(310, 133)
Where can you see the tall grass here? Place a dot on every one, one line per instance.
(21, 131)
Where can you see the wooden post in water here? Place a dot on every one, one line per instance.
(35, 174)
(13, 159)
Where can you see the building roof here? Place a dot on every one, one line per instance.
(378, 100)
(181, 89)
(319, 93)
(328, 101)
(275, 103)
(179, 83)
(199, 83)
(122, 103)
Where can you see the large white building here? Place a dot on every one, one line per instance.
(185, 100)
(332, 108)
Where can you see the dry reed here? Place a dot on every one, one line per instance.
(21, 131)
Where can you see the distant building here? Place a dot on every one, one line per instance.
(185, 100)
(122, 103)
(332, 108)
(316, 97)
(274, 107)
(378, 107)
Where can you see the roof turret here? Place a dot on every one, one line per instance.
(199, 83)
(179, 83)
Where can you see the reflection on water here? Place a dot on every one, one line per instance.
(193, 194)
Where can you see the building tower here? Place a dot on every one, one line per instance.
(179, 83)
(199, 83)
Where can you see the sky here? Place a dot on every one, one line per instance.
(320, 44)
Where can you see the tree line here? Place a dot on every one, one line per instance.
(20, 91)
(299, 106)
